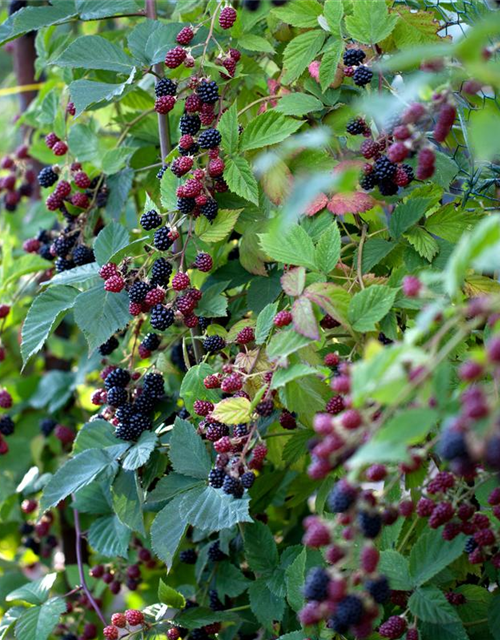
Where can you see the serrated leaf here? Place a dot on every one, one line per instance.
(294, 247)
(212, 510)
(300, 52)
(127, 500)
(264, 322)
(298, 104)
(228, 128)
(98, 434)
(240, 179)
(35, 592)
(415, 28)
(170, 486)
(293, 281)
(304, 320)
(375, 250)
(285, 343)
(167, 531)
(232, 411)
(395, 566)
(140, 452)
(294, 581)
(221, 227)
(252, 42)
(281, 377)
(85, 92)
(105, 8)
(34, 18)
(168, 186)
(296, 446)
(334, 300)
(424, 244)
(99, 314)
(43, 316)
(77, 275)
(111, 239)
(328, 249)
(409, 426)
(430, 605)
(199, 617)
(267, 129)
(8, 620)
(334, 12)
(370, 21)
(230, 580)
(95, 52)
(170, 596)
(300, 13)
(329, 63)
(407, 214)
(38, 622)
(188, 453)
(494, 616)
(369, 306)
(109, 537)
(260, 548)
(431, 554)
(450, 223)
(192, 387)
(265, 606)
(73, 475)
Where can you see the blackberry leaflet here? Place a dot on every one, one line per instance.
(209, 139)
(189, 124)
(165, 87)
(161, 317)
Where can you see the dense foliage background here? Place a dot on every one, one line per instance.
(249, 309)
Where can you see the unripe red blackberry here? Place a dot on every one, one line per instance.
(173, 634)
(426, 162)
(414, 112)
(108, 270)
(235, 54)
(53, 202)
(111, 632)
(376, 472)
(5, 399)
(351, 419)
(470, 370)
(64, 434)
(60, 148)
(232, 383)
(63, 189)
(80, 200)
(193, 103)
(229, 65)
(71, 109)
(393, 628)
(411, 286)
(119, 620)
(185, 35)
(134, 617)
(203, 407)
(50, 140)
(493, 350)
(115, 284)
(335, 405)
(369, 149)
(4, 310)
(181, 166)
(216, 167)
(164, 104)
(412, 634)
(406, 508)
(175, 57)
(443, 512)
(180, 281)
(82, 180)
(28, 506)
(282, 319)
(227, 17)
(186, 141)
(397, 152)
(369, 558)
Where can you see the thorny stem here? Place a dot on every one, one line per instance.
(81, 572)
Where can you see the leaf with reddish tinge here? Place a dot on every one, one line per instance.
(293, 281)
(355, 202)
(317, 205)
(304, 321)
(332, 299)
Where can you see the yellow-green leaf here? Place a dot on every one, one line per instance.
(219, 228)
(232, 411)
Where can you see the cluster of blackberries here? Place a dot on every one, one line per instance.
(115, 576)
(68, 252)
(17, 181)
(353, 67)
(93, 191)
(119, 621)
(6, 422)
(64, 434)
(36, 534)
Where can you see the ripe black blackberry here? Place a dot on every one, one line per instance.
(216, 430)
(198, 634)
(117, 396)
(165, 87)
(363, 75)
(138, 291)
(409, 172)
(47, 177)
(353, 57)
(383, 339)
(265, 408)
(368, 181)
(62, 264)
(151, 341)
(186, 205)
(209, 139)
(45, 252)
(193, 149)
(210, 209)
(127, 431)
(188, 556)
(161, 317)
(162, 240)
(25, 529)
(150, 220)
(349, 610)
(384, 169)
(216, 478)
(214, 602)
(109, 346)
(214, 551)
(208, 91)
(470, 545)
(240, 431)
(369, 523)
(233, 487)
(190, 124)
(212, 344)
(203, 323)
(247, 479)
(125, 412)
(161, 171)
(341, 497)
(387, 187)
(144, 403)
(356, 126)
(316, 584)
(154, 385)
(62, 245)
(161, 272)
(379, 589)
(117, 378)
(47, 425)
(6, 425)
(183, 413)
(83, 255)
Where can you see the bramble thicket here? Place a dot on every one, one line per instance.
(250, 320)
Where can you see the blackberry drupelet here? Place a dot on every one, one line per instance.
(138, 291)
(162, 240)
(125, 412)
(161, 272)
(116, 396)
(151, 341)
(144, 403)
(216, 478)
(210, 209)
(83, 255)
(208, 91)
(212, 344)
(62, 264)
(117, 378)
(247, 479)
(47, 177)
(109, 346)
(189, 123)
(150, 220)
(231, 485)
(384, 169)
(353, 57)
(362, 76)
(165, 87)
(209, 139)
(188, 556)
(186, 205)
(154, 385)
(161, 317)
(125, 431)
(47, 425)
(63, 245)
